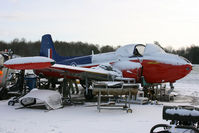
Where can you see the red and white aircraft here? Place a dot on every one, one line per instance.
(130, 61)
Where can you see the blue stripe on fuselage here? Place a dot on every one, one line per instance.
(81, 60)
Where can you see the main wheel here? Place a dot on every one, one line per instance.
(89, 95)
(83, 83)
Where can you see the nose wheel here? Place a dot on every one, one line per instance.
(88, 93)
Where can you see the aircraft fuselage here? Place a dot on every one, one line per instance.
(152, 62)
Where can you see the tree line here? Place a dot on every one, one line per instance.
(191, 53)
(28, 48)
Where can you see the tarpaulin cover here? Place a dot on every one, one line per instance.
(51, 99)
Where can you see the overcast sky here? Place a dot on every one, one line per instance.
(106, 22)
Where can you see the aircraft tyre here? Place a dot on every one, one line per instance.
(88, 96)
(83, 84)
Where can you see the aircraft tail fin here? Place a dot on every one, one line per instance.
(47, 48)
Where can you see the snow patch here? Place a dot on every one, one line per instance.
(167, 58)
(99, 58)
(183, 112)
(154, 52)
(24, 60)
(126, 65)
(126, 51)
(152, 49)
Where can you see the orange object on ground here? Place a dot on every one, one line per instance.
(1, 76)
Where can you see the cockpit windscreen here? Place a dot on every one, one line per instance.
(139, 50)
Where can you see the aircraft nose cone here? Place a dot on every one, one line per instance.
(186, 69)
(189, 67)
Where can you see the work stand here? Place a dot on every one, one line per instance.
(114, 88)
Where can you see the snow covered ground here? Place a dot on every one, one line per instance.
(84, 119)
(189, 84)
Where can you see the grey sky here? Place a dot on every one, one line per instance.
(106, 22)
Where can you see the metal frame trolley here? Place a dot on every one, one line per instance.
(115, 89)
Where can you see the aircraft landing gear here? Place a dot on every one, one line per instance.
(171, 87)
(89, 95)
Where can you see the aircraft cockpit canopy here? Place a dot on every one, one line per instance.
(126, 50)
(131, 50)
(138, 50)
(152, 49)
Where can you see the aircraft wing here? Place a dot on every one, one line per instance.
(83, 73)
(48, 65)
